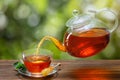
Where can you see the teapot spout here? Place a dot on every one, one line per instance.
(59, 45)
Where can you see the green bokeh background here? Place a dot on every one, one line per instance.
(23, 23)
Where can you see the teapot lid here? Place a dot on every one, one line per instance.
(78, 20)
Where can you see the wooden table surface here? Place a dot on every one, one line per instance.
(70, 70)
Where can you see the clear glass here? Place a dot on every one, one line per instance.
(35, 63)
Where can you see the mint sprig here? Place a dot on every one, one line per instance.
(19, 66)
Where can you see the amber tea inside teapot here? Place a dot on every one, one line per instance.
(87, 34)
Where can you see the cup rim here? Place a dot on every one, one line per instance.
(23, 56)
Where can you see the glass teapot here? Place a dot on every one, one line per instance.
(87, 34)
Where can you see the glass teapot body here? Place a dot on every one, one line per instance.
(86, 43)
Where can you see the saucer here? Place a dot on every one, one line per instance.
(26, 73)
(20, 68)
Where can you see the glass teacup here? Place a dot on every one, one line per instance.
(35, 63)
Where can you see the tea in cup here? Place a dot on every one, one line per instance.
(36, 63)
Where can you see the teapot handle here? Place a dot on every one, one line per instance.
(115, 25)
